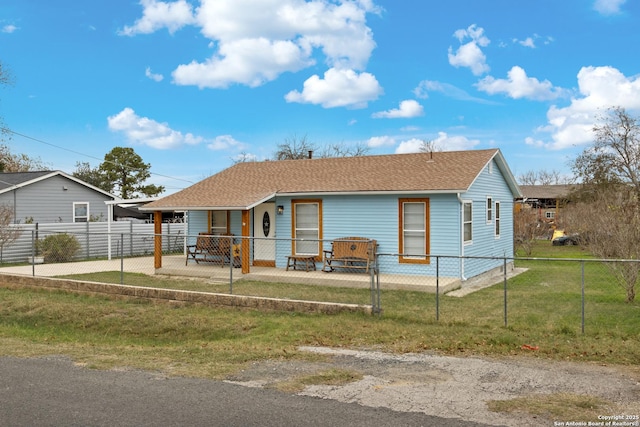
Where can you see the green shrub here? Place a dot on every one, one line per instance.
(59, 247)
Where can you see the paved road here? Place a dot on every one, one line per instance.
(54, 392)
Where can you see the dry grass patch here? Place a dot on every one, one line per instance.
(558, 406)
(334, 377)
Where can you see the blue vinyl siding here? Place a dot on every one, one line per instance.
(485, 243)
(376, 217)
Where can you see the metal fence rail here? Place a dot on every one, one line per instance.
(507, 277)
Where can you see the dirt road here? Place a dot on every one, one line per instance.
(453, 387)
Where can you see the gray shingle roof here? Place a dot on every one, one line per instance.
(10, 179)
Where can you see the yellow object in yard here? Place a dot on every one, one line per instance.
(558, 233)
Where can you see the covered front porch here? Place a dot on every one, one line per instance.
(174, 265)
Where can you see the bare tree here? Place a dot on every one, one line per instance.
(606, 207)
(543, 177)
(527, 228)
(342, 150)
(294, 148)
(615, 155)
(608, 219)
(8, 231)
(6, 79)
(429, 146)
(10, 162)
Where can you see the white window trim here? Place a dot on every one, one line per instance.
(489, 209)
(424, 230)
(498, 220)
(550, 215)
(317, 230)
(465, 202)
(88, 217)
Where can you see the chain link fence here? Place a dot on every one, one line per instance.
(521, 289)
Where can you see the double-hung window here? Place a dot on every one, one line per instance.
(414, 230)
(467, 222)
(489, 210)
(80, 212)
(307, 227)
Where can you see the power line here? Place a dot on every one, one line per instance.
(7, 130)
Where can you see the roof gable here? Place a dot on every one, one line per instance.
(12, 180)
(245, 185)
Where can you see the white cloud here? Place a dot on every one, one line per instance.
(449, 90)
(145, 131)
(599, 88)
(225, 142)
(381, 141)
(159, 14)
(408, 108)
(9, 29)
(528, 42)
(443, 142)
(608, 7)
(469, 54)
(410, 146)
(256, 41)
(251, 62)
(519, 85)
(339, 88)
(153, 76)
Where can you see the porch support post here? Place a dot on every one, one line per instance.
(245, 242)
(157, 239)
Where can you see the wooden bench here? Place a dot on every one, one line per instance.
(308, 261)
(210, 248)
(352, 253)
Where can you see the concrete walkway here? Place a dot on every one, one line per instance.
(130, 265)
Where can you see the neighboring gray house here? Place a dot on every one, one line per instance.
(52, 196)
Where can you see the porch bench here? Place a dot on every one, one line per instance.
(211, 248)
(350, 253)
(306, 261)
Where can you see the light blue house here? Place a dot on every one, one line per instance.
(440, 204)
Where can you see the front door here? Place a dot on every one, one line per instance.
(264, 230)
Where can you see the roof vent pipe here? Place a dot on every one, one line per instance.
(310, 154)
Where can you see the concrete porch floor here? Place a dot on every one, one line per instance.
(175, 266)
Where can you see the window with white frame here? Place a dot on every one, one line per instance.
(219, 222)
(489, 210)
(467, 222)
(81, 212)
(497, 219)
(414, 230)
(307, 227)
(550, 215)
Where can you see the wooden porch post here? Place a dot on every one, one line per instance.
(157, 239)
(245, 243)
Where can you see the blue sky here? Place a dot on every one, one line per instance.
(193, 84)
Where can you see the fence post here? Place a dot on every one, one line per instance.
(231, 261)
(122, 258)
(374, 285)
(33, 251)
(88, 239)
(582, 284)
(504, 266)
(437, 288)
